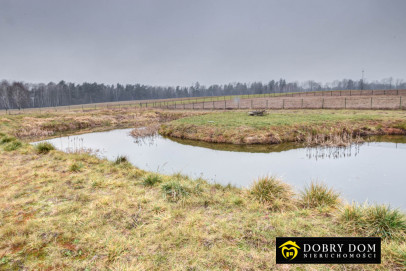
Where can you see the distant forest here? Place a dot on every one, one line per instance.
(17, 95)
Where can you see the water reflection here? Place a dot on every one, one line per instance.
(332, 152)
(372, 171)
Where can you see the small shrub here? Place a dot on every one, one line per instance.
(151, 180)
(376, 220)
(7, 139)
(121, 159)
(318, 195)
(273, 192)
(174, 191)
(44, 147)
(12, 146)
(75, 167)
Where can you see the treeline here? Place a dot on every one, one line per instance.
(17, 95)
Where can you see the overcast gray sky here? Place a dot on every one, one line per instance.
(178, 42)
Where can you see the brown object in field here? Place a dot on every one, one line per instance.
(257, 113)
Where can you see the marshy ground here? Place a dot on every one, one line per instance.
(73, 211)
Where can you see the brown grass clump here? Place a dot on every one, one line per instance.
(375, 220)
(319, 195)
(272, 192)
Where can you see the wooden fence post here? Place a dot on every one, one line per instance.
(371, 102)
(345, 103)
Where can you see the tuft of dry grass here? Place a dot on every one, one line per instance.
(319, 195)
(375, 220)
(44, 147)
(273, 193)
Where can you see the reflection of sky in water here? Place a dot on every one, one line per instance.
(372, 171)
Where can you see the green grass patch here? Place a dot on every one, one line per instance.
(151, 180)
(281, 118)
(121, 159)
(278, 126)
(76, 167)
(12, 146)
(175, 191)
(376, 220)
(6, 139)
(44, 147)
(319, 195)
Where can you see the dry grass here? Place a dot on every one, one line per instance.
(319, 195)
(101, 215)
(104, 217)
(272, 192)
(40, 126)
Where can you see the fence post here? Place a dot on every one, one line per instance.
(345, 103)
(322, 104)
(225, 104)
(302, 104)
(400, 102)
(371, 102)
(283, 103)
(350, 92)
(251, 105)
(213, 105)
(266, 104)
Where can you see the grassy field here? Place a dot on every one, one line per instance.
(73, 211)
(286, 126)
(52, 124)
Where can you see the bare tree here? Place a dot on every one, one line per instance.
(20, 95)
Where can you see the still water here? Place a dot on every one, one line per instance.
(373, 172)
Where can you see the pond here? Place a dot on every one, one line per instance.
(373, 171)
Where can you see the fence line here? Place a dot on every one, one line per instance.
(372, 102)
(220, 102)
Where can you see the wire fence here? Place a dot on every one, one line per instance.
(343, 99)
(371, 102)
